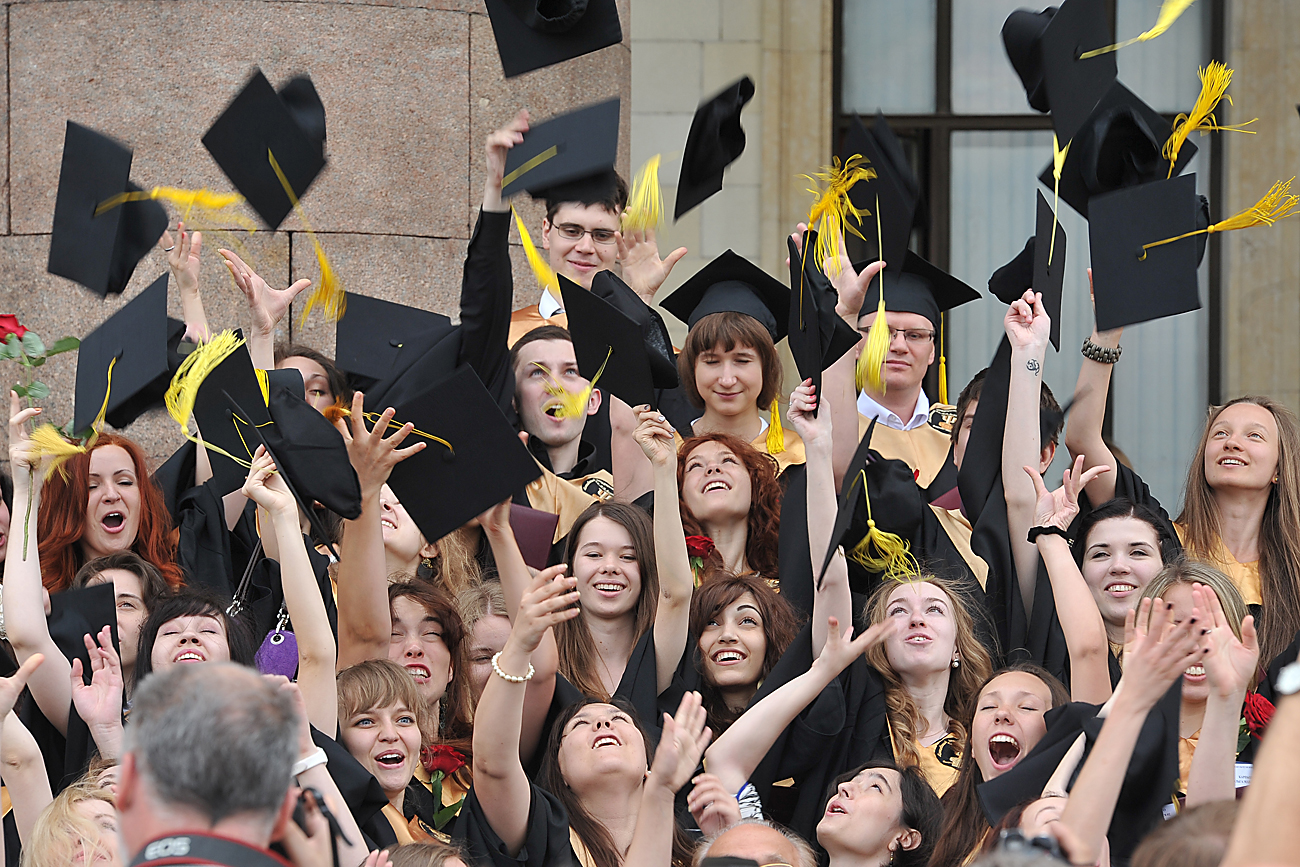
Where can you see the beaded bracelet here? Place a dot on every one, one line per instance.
(1100, 354)
(512, 678)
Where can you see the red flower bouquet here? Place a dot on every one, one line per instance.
(440, 757)
(9, 325)
(698, 549)
(1257, 712)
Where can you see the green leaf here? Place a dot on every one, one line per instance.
(15, 344)
(32, 344)
(20, 390)
(446, 814)
(6, 351)
(37, 361)
(63, 344)
(38, 390)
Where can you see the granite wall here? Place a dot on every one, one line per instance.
(411, 89)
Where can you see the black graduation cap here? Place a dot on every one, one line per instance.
(579, 146)
(1119, 145)
(99, 251)
(818, 336)
(716, 140)
(532, 34)
(920, 287)
(1075, 85)
(731, 283)
(137, 336)
(260, 123)
(1128, 288)
(892, 197)
(1030, 269)
(235, 377)
(607, 286)
(1022, 35)
(424, 358)
(79, 612)
(608, 343)
(370, 336)
(442, 488)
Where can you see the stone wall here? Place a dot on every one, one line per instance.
(411, 89)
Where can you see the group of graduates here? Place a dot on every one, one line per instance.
(548, 590)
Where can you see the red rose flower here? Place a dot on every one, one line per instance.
(699, 546)
(9, 325)
(440, 757)
(1257, 711)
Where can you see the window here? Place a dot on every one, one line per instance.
(938, 70)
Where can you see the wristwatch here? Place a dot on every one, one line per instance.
(1288, 679)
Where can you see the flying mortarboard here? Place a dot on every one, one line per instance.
(1032, 270)
(99, 250)
(135, 341)
(716, 140)
(532, 34)
(892, 197)
(370, 338)
(818, 336)
(1022, 35)
(607, 286)
(1119, 145)
(731, 283)
(1075, 84)
(481, 463)
(259, 124)
(566, 156)
(608, 346)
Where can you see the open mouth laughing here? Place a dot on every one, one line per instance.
(1004, 750)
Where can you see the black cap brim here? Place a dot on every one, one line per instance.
(372, 333)
(564, 149)
(607, 342)
(526, 40)
(893, 195)
(817, 335)
(234, 380)
(256, 125)
(607, 286)
(731, 283)
(920, 287)
(716, 140)
(1074, 85)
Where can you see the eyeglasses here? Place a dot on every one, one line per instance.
(574, 232)
(911, 335)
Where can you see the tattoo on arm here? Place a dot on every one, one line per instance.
(1033, 366)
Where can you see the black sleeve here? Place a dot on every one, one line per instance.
(203, 540)
(486, 296)
(640, 684)
(545, 845)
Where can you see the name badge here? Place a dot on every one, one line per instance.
(1242, 773)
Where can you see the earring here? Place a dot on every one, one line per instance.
(956, 663)
(427, 563)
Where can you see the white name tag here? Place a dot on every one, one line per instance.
(1242, 774)
(1170, 810)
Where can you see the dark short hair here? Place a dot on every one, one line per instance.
(543, 332)
(1050, 417)
(1123, 507)
(194, 602)
(729, 330)
(338, 381)
(611, 196)
(153, 586)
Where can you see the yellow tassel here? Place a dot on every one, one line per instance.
(943, 363)
(541, 268)
(1169, 12)
(871, 360)
(184, 387)
(328, 294)
(880, 551)
(775, 433)
(1215, 79)
(1058, 162)
(645, 204)
(571, 404)
(1278, 204)
(339, 410)
(205, 203)
(50, 443)
(832, 208)
(264, 383)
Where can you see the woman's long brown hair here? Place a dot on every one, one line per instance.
(61, 519)
(763, 534)
(1279, 532)
(577, 649)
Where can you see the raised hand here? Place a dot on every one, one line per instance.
(1157, 651)
(496, 520)
(681, 744)
(644, 271)
(498, 146)
(21, 453)
(655, 436)
(1026, 322)
(813, 431)
(1230, 662)
(11, 687)
(99, 704)
(841, 649)
(551, 599)
(714, 808)
(372, 454)
(1058, 508)
(851, 286)
(267, 306)
(183, 260)
(266, 487)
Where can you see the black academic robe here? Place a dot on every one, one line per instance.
(546, 843)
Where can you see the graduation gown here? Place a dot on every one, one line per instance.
(546, 842)
(924, 449)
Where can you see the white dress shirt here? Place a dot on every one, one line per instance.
(871, 409)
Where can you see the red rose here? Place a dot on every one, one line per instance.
(9, 325)
(440, 757)
(699, 546)
(1257, 711)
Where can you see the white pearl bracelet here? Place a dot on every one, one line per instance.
(513, 678)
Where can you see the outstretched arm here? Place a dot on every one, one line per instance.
(1081, 621)
(23, 765)
(740, 749)
(1027, 326)
(678, 755)
(266, 307)
(676, 581)
(1088, 414)
(499, 780)
(99, 704)
(183, 259)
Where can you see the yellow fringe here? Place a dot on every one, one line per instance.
(880, 551)
(943, 363)
(1169, 12)
(328, 294)
(572, 404)
(872, 358)
(184, 387)
(1215, 79)
(264, 383)
(775, 433)
(1058, 162)
(339, 410)
(50, 443)
(541, 268)
(645, 205)
(832, 208)
(1278, 204)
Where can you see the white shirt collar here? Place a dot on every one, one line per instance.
(548, 306)
(871, 409)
